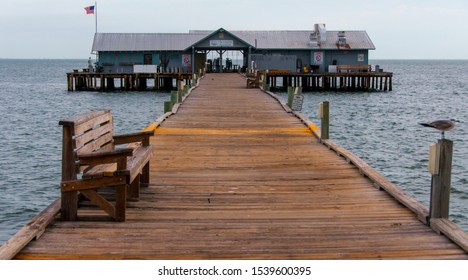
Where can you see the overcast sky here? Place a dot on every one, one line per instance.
(420, 29)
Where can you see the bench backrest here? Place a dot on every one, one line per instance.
(84, 134)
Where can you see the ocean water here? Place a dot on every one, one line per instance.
(33, 98)
(380, 127)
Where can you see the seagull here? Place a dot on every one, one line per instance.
(442, 125)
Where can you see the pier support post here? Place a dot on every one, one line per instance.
(440, 166)
(290, 95)
(324, 114)
(69, 82)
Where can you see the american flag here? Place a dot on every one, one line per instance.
(89, 10)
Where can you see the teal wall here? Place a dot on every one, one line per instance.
(345, 57)
(122, 62)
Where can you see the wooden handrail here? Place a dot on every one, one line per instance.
(33, 230)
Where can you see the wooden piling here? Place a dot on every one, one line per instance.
(441, 181)
(324, 113)
(290, 95)
(167, 106)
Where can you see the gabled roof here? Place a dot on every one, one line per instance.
(208, 35)
(257, 39)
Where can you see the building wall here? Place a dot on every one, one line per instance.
(122, 62)
(292, 60)
(346, 57)
(318, 60)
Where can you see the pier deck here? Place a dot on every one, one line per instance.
(234, 176)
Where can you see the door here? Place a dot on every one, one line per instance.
(148, 59)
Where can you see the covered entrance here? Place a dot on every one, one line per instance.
(221, 51)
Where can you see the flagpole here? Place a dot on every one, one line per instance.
(95, 13)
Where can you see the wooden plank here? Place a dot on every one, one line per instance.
(140, 158)
(96, 144)
(82, 118)
(92, 123)
(100, 201)
(142, 137)
(93, 134)
(105, 157)
(91, 184)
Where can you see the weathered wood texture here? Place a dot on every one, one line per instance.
(234, 176)
(89, 151)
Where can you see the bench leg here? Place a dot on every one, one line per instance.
(145, 176)
(120, 203)
(134, 189)
(69, 207)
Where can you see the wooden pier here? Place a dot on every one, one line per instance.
(86, 81)
(236, 175)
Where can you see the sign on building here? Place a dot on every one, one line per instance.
(221, 43)
(318, 58)
(186, 60)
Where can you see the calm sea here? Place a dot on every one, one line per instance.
(380, 127)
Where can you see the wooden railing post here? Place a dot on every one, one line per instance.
(167, 106)
(194, 79)
(440, 166)
(174, 97)
(324, 115)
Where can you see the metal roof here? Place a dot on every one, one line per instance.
(301, 39)
(258, 39)
(143, 41)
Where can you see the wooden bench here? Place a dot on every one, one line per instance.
(91, 162)
(254, 79)
(253, 82)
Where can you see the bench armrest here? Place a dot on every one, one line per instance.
(105, 157)
(134, 137)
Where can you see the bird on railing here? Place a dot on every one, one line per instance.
(441, 125)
